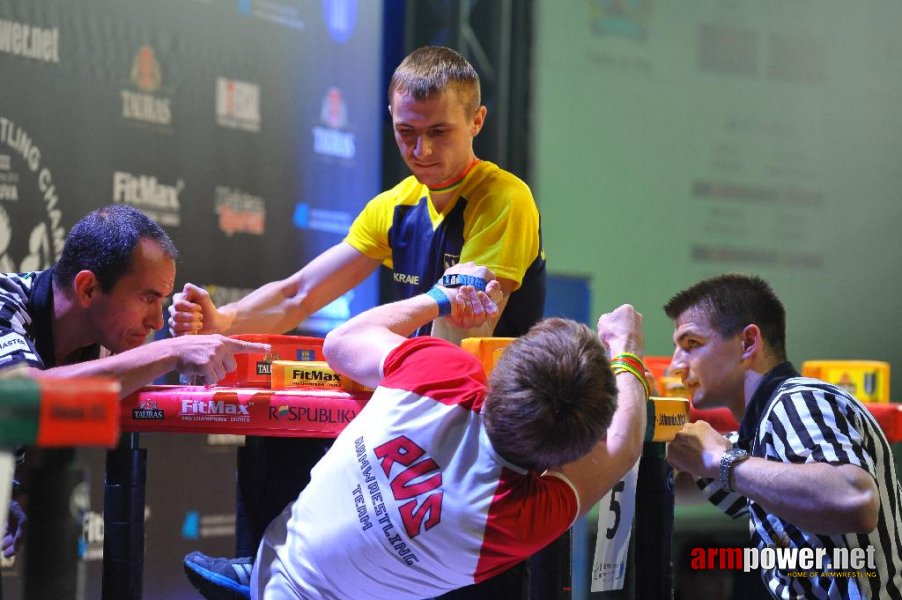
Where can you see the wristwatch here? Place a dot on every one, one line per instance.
(728, 461)
(456, 280)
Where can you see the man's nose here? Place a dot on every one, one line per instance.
(677, 363)
(155, 318)
(423, 147)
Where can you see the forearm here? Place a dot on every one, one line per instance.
(282, 305)
(817, 497)
(356, 348)
(272, 308)
(597, 472)
(133, 369)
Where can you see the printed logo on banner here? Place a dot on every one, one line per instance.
(340, 17)
(240, 212)
(158, 201)
(198, 526)
(148, 411)
(219, 410)
(237, 104)
(31, 237)
(307, 216)
(280, 13)
(312, 414)
(147, 103)
(332, 139)
(624, 19)
(30, 41)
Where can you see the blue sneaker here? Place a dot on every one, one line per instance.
(220, 578)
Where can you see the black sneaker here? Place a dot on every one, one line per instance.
(220, 578)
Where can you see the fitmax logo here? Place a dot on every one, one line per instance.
(212, 407)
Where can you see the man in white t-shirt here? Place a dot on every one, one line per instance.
(445, 479)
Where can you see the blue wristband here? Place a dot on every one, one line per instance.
(457, 280)
(444, 303)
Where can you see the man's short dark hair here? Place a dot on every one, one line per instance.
(733, 301)
(104, 241)
(432, 70)
(551, 396)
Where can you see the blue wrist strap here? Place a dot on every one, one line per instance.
(457, 280)
(444, 304)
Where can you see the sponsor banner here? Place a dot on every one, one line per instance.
(30, 41)
(198, 526)
(282, 413)
(307, 216)
(340, 17)
(159, 201)
(237, 104)
(273, 11)
(331, 138)
(239, 212)
(29, 200)
(146, 102)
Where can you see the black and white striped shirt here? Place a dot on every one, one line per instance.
(17, 339)
(26, 321)
(804, 421)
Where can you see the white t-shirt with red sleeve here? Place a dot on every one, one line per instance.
(412, 500)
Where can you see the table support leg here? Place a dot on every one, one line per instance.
(123, 520)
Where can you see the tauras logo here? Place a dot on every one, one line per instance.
(145, 192)
(30, 41)
(331, 140)
(146, 75)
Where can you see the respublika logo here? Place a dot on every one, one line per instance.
(332, 140)
(794, 562)
(340, 17)
(145, 105)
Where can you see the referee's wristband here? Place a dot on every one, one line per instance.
(444, 303)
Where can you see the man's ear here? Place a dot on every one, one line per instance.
(479, 120)
(751, 340)
(86, 287)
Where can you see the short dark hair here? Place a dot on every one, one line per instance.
(551, 396)
(104, 241)
(731, 302)
(432, 70)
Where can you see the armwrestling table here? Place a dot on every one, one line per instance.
(323, 414)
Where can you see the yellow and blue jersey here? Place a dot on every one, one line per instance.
(492, 220)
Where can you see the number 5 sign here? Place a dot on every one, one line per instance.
(615, 522)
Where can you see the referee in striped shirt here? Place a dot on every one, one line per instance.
(809, 465)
